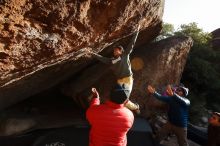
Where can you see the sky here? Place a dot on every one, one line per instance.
(206, 13)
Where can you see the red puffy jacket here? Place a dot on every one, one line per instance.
(109, 122)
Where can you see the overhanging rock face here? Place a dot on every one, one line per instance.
(43, 42)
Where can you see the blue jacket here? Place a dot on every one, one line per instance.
(178, 109)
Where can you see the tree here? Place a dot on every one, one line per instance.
(167, 31)
(200, 37)
(202, 68)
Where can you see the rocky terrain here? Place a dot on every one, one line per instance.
(43, 47)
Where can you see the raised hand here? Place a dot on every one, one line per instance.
(169, 90)
(95, 93)
(150, 89)
(88, 52)
(138, 27)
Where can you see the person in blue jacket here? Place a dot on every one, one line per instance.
(177, 113)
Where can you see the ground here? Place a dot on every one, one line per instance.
(173, 142)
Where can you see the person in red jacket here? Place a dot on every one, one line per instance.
(110, 121)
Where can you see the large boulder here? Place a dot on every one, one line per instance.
(162, 63)
(42, 43)
(158, 64)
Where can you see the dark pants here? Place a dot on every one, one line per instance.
(181, 133)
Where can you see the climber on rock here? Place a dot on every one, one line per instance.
(121, 66)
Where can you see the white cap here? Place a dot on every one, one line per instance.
(186, 90)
